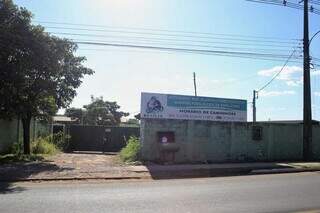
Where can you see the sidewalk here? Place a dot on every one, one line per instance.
(103, 166)
(224, 169)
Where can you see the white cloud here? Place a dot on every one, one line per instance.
(276, 93)
(291, 75)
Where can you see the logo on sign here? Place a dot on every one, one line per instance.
(154, 105)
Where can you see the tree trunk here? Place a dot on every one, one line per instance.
(26, 134)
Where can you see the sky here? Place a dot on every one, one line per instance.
(121, 74)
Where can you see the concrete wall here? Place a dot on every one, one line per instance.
(11, 132)
(200, 141)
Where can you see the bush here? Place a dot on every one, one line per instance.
(43, 146)
(60, 140)
(50, 144)
(131, 152)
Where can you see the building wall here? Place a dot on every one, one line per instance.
(11, 132)
(201, 141)
(8, 134)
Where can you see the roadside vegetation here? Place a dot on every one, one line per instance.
(39, 72)
(40, 148)
(131, 152)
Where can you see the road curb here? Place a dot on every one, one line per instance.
(280, 171)
(72, 179)
(193, 173)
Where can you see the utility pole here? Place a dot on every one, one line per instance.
(254, 109)
(194, 84)
(307, 114)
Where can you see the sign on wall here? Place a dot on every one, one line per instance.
(166, 106)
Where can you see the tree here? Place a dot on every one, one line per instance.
(100, 112)
(39, 73)
(76, 113)
(133, 121)
(138, 116)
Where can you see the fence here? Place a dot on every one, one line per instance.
(100, 138)
(205, 141)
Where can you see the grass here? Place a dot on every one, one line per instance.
(131, 153)
(44, 146)
(40, 148)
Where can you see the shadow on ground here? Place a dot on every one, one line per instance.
(8, 187)
(13, 172)
(173, 171)
(94, 153)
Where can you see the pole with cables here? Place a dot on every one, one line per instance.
(254, 109)
(255, 92)
(307, 113)
(195, 84)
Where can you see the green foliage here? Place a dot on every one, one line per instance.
(39, 72)
(51, 144)
(43, 146)
(131, 152)
(76, 113)
(133, 121)
(98, 112)
(60, 140)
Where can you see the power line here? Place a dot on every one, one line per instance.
(312, 9)
(287, 3)
(314, 2)
(199, 53)
(162, 30)
(278, 73)
(213, 36)
(252, 55)
(182, 49)
(273, 44)
(270, 50)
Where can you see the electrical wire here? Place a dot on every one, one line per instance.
(286, 3)
(233, 38)
(278, 73)
(199, 53)
(269, 50)
(271, 44)
(163, 30)
(183, 49)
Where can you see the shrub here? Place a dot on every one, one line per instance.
(60, 140)
(131, 152)
(43, 146)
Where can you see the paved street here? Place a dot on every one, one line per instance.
(263, 193)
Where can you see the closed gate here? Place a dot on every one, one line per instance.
(100, 138)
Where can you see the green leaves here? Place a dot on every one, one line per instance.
(39, 73)
(98, 112)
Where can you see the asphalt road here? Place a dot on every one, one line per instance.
(263, 193)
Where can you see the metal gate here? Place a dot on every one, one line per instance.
(100, 138)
